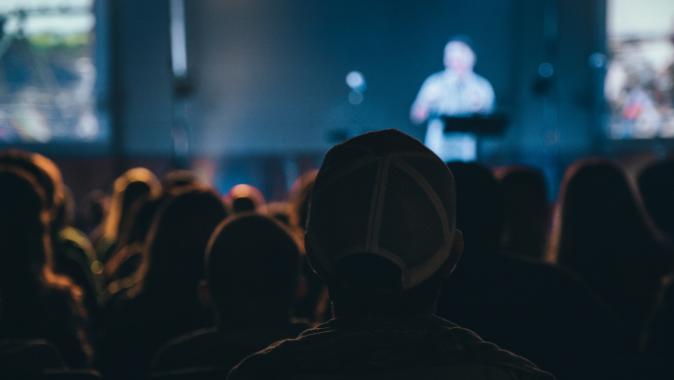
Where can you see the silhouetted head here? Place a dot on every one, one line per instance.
(25, 249)
(479, 208)
(656, 183)
(381, 230)
(526, 211)
(44, 172)
(252, 266)
(281, 212)
(178, 179)
(300, 194)
(128, 188)
(245, 198)
(173, 259)
(603, 233)
(23, 228)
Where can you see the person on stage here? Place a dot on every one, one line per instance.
(455, 91)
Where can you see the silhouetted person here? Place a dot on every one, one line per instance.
(526, 306)
(526, 211)
(75, 257)
(120, 268)
(128, 188)
(245, 198)
(656, 183)
(37, 303)
(381, 232)
(252, 279)
(45, 173)
(603, 234)
(313, 305)
(179, 179)
(164, 303)
(72, 252)
(281, 212)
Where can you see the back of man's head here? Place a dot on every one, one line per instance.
(252, 267)
(381, 223)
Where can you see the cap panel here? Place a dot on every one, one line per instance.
(339, 214)
(439, 206)
(378, 195)
(440, 179)
(413, 224)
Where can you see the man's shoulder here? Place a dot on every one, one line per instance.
(470, 348)
(268, 362)
(332, 349)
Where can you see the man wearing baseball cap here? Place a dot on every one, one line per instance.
(381, 233)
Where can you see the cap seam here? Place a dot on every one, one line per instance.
(379, 207)
(374, 213)
(412, 279)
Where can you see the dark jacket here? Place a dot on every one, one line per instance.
(423, 347)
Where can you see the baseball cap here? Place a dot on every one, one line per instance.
(385, 194)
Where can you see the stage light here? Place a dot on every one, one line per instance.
(356, 81)
(546, 70)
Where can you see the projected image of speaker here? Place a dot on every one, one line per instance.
(456, 92)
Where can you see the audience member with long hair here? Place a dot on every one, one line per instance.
(37, 303)
(525, 211)
(72, 253)
(120, 268)
(603, 234)
(128, 188)
(528, 306)
(164, 302)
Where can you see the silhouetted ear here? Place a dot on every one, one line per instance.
(455, 254)
(205, 294)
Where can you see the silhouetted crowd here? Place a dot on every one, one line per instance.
(386, 263)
